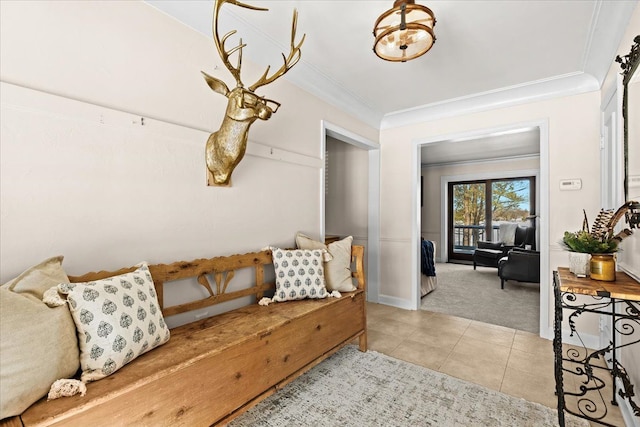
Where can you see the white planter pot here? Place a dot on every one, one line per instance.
(579, 263)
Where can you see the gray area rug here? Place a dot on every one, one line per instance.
(352, 388)
(476, 295)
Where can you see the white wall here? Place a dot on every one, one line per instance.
(81, 177)
(574, 129)
(431, 221)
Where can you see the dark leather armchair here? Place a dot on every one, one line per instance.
(520, 265)
(489, 253)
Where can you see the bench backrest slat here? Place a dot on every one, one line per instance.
(222, 269)
(357, 257)
(213, 300)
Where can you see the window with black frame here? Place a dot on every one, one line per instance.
(477, 208)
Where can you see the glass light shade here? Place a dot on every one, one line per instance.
(400, 41)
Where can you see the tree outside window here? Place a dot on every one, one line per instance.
(510, 200)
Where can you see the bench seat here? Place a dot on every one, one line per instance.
(215, 368)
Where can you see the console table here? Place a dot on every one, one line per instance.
(621, 301)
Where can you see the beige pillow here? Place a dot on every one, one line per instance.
(338, 270)
(38, 344)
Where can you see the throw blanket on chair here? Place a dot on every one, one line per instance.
(508, 233)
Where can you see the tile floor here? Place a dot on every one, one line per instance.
(514, 362)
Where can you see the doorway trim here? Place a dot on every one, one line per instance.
(542, 223)
(373, 210)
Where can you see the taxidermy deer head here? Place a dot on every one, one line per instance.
(226, 147)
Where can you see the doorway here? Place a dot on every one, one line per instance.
(354, 176)
(489, 158)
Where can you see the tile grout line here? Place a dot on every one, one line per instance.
(453, 348)
(531, 349)
(504, 372)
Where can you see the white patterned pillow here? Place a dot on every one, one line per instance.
(299, 274)
(117, 319)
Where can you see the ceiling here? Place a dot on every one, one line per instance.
(487, 54)
(512, 144)
(485, 50)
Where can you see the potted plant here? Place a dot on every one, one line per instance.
(596, 248)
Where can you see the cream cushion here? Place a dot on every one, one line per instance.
(38, 344)
(338, 269)
(118, 319)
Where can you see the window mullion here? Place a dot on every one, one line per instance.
(488, 219)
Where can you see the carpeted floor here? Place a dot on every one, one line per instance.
(352, 388)
(476, 294)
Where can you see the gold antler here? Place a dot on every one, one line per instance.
(289, 61)
(224, 54)
(226, 147)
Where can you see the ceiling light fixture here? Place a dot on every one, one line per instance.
(404, 32)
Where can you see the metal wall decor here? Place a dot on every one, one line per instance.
(632, 216)
(226, 147)
(630, 64)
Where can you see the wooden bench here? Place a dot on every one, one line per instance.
(214, 369)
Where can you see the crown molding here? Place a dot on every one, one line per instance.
(608, 24)
(322, 87)
(559, 86)
(506, 159)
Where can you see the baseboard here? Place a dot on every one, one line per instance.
(630, 420)
(627, 412)
(395, 302)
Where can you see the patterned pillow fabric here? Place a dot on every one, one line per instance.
(38, 344)
(299, 274)
(117, 318)
(338, 268)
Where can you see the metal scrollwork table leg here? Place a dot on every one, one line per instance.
(591, 404)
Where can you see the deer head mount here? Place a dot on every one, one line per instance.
(226, 147)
